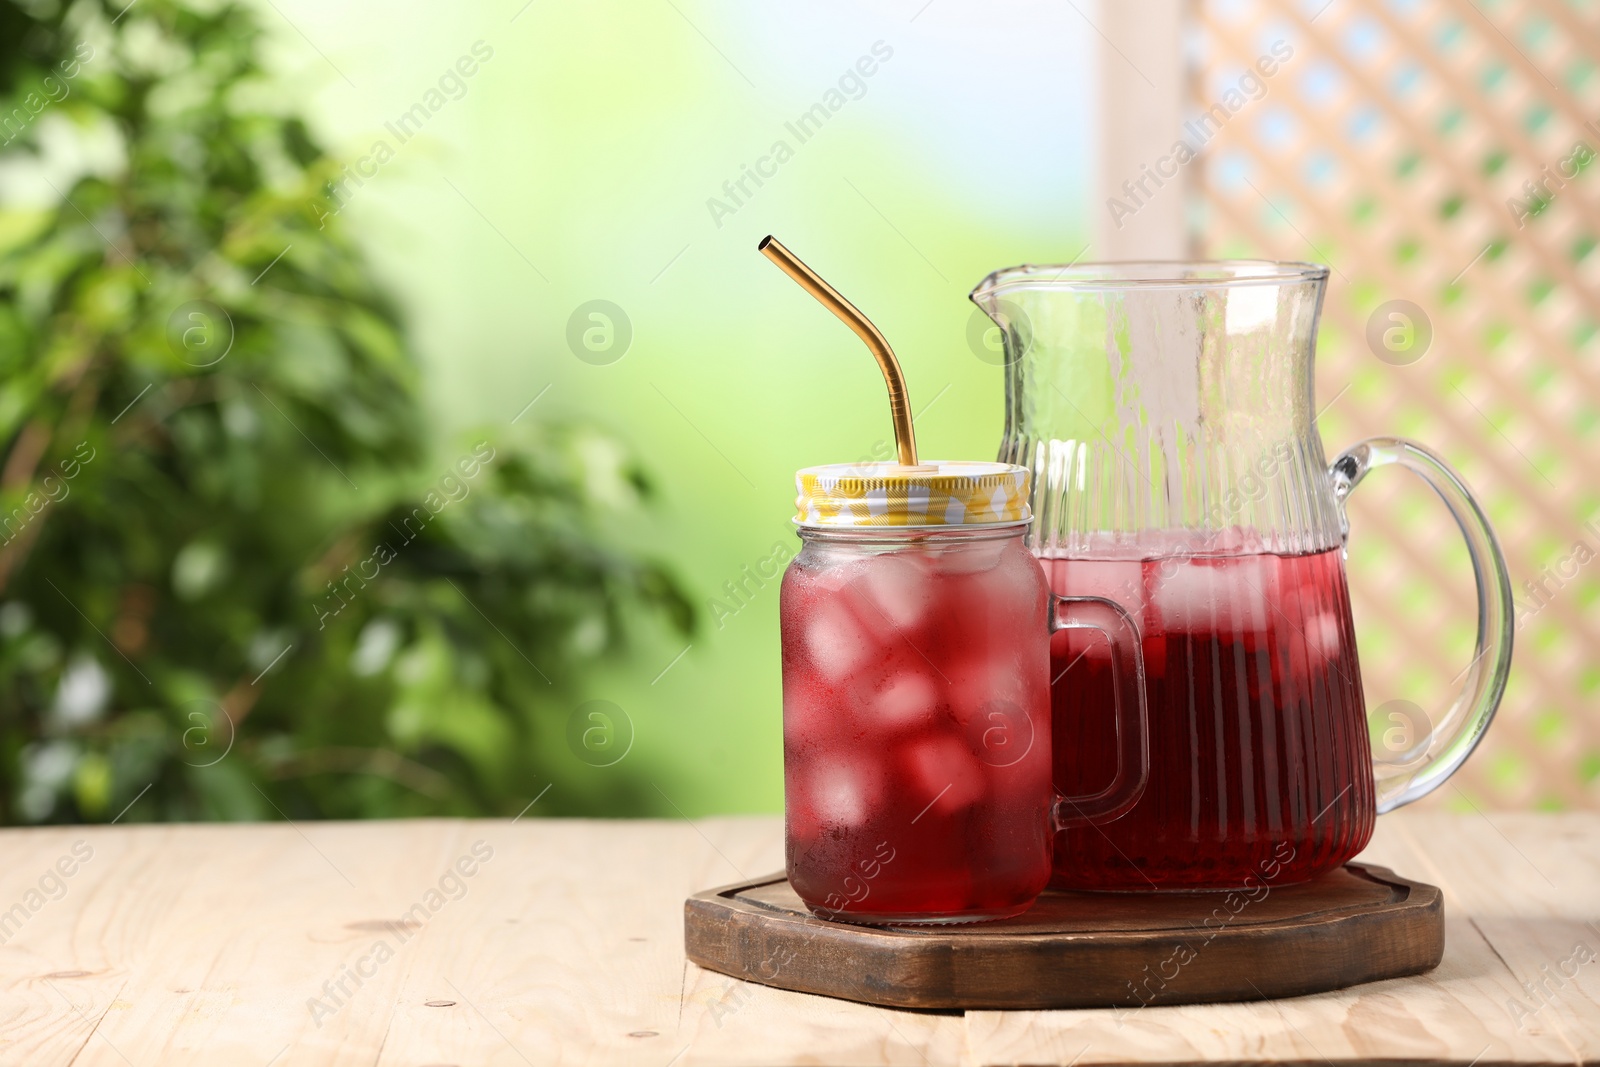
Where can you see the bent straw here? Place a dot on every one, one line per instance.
(899, 402)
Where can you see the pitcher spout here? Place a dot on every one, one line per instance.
(989, 294)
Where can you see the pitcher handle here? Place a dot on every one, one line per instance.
(1463, 725)
(1128, 703)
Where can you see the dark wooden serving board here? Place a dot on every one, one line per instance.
(1080, 950)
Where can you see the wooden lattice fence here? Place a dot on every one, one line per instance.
(1440, 153)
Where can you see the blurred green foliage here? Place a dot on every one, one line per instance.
(234, 568)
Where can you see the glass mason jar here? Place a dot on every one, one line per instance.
(916, 696)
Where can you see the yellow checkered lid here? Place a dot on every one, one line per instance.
(929, 494)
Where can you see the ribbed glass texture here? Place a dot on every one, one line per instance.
(1162, 400)
(1166, 412)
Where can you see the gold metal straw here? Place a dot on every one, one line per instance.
(899, 403)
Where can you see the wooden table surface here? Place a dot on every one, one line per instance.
(560, 942)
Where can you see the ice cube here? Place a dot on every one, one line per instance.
(1183, 594)
(1212, 594)
(1019, 582)
(973, 557)
(1324, 638)
(986, 677)
(1121, 580)
(840, 793)
(837, 643)
(908, 700)
(943, 775)
(1251, 584)
(896, 591)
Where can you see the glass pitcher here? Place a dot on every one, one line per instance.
(1166, 411)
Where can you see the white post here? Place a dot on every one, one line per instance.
(1139, 214)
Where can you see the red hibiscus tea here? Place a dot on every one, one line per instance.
(916, 725)
(1258, 735)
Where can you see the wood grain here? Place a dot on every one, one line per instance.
(1073, 950)
(1455, 1014)
(204, 944)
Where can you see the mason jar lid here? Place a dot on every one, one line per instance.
(930, 494)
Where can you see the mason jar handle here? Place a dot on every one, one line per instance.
(1454, 735)
(1128, 703)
